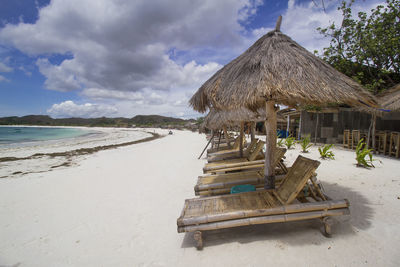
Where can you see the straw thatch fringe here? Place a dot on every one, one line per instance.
(277, 68)
(390, 99)
(216, 119)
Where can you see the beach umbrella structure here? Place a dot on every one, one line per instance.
(221, 119)
(277, 70)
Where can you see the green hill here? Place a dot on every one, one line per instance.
(139, 120)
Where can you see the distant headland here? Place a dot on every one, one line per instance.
(137, 121)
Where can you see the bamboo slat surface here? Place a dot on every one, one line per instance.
(231, 154)
(244, 205)
(242, 165)
(302, 170)
(250, 157)
(236, 207)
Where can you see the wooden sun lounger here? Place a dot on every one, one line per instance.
(231, 154)
(254, 155)
(243, 165)
(224, 146)
(222, 183)
(261, 207)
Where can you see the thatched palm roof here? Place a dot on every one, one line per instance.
(390, 99)
(277, 68)
(216, 119)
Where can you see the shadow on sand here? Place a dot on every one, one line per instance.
(300, 232)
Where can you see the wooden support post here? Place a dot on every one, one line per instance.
(299, 135)
(253, 130)
(288, 126)
(373, 132)
(241, 138)
(316, 129)
(327, 226)
(369, 133)
(199, 239)
(209, 141)
(270, 141)
(212, 142)
(219, 139)
(227, 137)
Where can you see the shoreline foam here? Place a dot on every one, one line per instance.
(41, 156)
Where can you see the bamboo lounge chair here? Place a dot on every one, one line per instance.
(231, 154)
(243, 165)
(225, 147)
(222, 183)
(249, 159)
(261, 207)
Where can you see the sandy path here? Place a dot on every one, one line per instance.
(119, 208)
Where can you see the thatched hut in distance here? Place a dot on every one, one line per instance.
(277, 70)
(328, 124)
(390, 99)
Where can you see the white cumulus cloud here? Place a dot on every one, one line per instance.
(70, 109)
(5, 68)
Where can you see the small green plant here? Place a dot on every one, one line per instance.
(290, 142)
(305, 143)
(325, 152)
(361, 155)
(280, 142)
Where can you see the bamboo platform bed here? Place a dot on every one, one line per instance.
(286, 203)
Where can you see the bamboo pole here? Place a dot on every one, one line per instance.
(288, 125)
(253, 130)
(270, 140)
(299, 135)
(316, 129)
(209, 141)
(264, 220)
(212, 142)
(241, 139)
(240, 214)
(373, 132)
(369, 133)
(227, 137)
(219, 139)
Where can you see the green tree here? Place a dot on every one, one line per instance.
(366, 48)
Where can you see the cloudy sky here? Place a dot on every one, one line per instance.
(91, 58)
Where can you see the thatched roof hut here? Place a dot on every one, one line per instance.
(390, 99)
(217, 119)
(277, 70)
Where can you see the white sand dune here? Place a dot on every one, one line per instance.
(119, 208)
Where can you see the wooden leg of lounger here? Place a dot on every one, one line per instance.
(198, 237)
(327, 226)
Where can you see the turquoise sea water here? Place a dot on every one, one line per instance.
(9, 135)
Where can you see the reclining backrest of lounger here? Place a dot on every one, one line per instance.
(295, 180)
(236, 144)
(253, 155)
(251, 146)
(279, 153)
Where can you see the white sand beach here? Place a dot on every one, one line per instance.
(118, 207)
